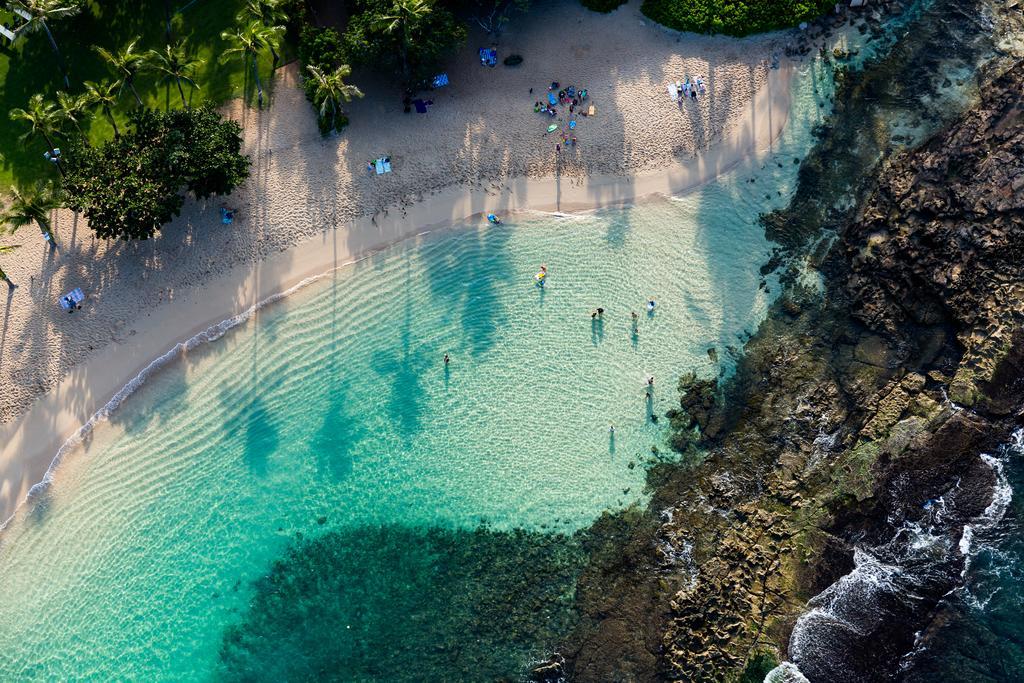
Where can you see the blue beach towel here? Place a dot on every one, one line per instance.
(440, 80)
(552, 99)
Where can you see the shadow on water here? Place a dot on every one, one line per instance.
(339, 434)
(469, 275)
(399, 604)
(403, 368)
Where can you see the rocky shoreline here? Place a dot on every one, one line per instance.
(855, 423)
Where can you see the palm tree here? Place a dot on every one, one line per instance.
(404, 15)
(331, 90)
(71, 108)
(7, 249)
(43, 117)
(267, 12)
(104, 96)
(32, 207)
(125, 64)
(249, 42)
(43, 11)
(175, 62)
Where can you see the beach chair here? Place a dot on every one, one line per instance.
(8, 35)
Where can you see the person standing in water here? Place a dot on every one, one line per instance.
(446, 360)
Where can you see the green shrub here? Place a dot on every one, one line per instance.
(320, 47)
(602, 5)
(733, 17)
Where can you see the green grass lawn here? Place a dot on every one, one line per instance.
(30, 67)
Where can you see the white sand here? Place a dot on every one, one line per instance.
(310, 204)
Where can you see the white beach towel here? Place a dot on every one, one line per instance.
(672, 92)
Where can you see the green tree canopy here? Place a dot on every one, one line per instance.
(409, 36)
(734, 17)
(132, 185)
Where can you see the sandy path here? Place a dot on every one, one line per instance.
(310, 205)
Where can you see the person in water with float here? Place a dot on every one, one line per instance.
(541, 276)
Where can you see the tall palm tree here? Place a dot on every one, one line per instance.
(44, 120)
(72, 108)
(331, 90)
(125, 64)
(404, 15)
(43, 11)
(176, 63)
(267, 12)
(249, 42)
(7, 249)
(32, 207)
(104, 96)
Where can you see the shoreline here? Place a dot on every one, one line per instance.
(35, 442)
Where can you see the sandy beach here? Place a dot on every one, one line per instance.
(310, 204)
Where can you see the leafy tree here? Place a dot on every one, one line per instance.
(412, 36)
(733, 17)
(269, 13)
(490, 15)
(125, 64)
(175, 63)
(104, 96)
(7, 249)
(44, 120)
(249, 41)
(72, 108)
(329, 91)
(43, 11)
(132, 185)
(31, 207)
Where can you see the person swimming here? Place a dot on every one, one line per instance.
(650, 306)
(493, 219)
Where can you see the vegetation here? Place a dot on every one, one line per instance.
(44, 11)
(411, 37)
(328, 91)
(175, 63)
(732, 17)
(249, 41)
(30, 67)
(26, 208)
(132, 185)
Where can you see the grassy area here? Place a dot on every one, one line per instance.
(31, 67)
(734, 17)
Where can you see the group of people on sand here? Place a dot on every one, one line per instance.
(569, 97)
(688, 89)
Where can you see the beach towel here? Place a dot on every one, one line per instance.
(552, 128)
(379, 165)
(571, 91)
(387, 165)
(440, 80)
(552, 100)
(421, 106)
(572, 124)
(672, 92)
(592, 111)
(75, 296)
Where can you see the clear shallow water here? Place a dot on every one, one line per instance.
(326, 431)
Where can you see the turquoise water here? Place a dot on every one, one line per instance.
(290, 499)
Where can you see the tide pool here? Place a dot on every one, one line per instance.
(316, 485)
